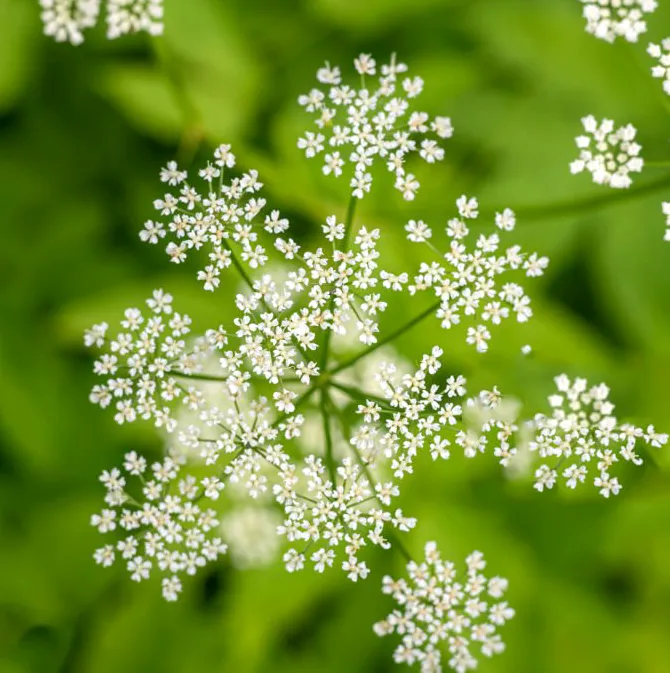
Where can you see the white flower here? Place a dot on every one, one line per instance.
(368, 125)
(133, 16)
(221, 217)
(609, 19)
(582, 433)
(609, 155)
(442, 615)
(666, 211)
(465, 283)
(66, 20)
(661, 52)
(251, 535)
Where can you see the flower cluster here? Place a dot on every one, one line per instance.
(222, 214)
(67, 20)
(466, 284)
(349, 512)
(609, 155)
(143, 363)
(661, 52)
(417, 415)
(235, 401)
(609, 19)
(666, 211)
(170, 533)
(438, 609)
(582, 432)
(364, 125)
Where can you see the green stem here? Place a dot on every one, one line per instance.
(356, 394)
(330, 459)
(240, 269)
(198, 377)
(391, 337)
(566, 208)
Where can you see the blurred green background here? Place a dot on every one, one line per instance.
(83, 133)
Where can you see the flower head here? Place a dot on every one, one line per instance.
(170, 530)
(465, 280)
(371, 124)
(66, 20)
(609, 19)
(443, 615)
(583, 436)
(661, 52)
(609, 155)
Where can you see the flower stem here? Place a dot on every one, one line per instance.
(330, 460)
(567, 208)
(391, 337)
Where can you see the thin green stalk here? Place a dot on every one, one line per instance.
(360, 395)
(391, 337)
(578, 207)
(330, 458)
(198, 377)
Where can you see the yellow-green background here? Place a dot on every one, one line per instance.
(83, 132)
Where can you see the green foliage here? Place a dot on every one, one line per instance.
(83, 133)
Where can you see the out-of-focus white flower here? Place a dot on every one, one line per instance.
(609, 19)
(609, 155)
(661, 52)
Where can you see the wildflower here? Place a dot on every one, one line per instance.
(329, 516)
(443, 616)
(66, 20)
(251, 535)
(142, 363)
(420, 415)
(132, 16)
(608, 154)
(169, 532)
(222, 216)
(662, 54)
(583, 435)
(666, 211)
(366, 125)
(609, 19)
(465, 285)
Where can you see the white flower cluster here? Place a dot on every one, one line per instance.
(609, 19)
(661, 52)
(142, 361)
(609, 155)
(440, 610)
(250, 533)
(351, 513)
(466, 284)
(665, 206)
(418, 415)
(582, 432)
(170, 533)
(67, 20)
(364, 125)
(224, 213)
